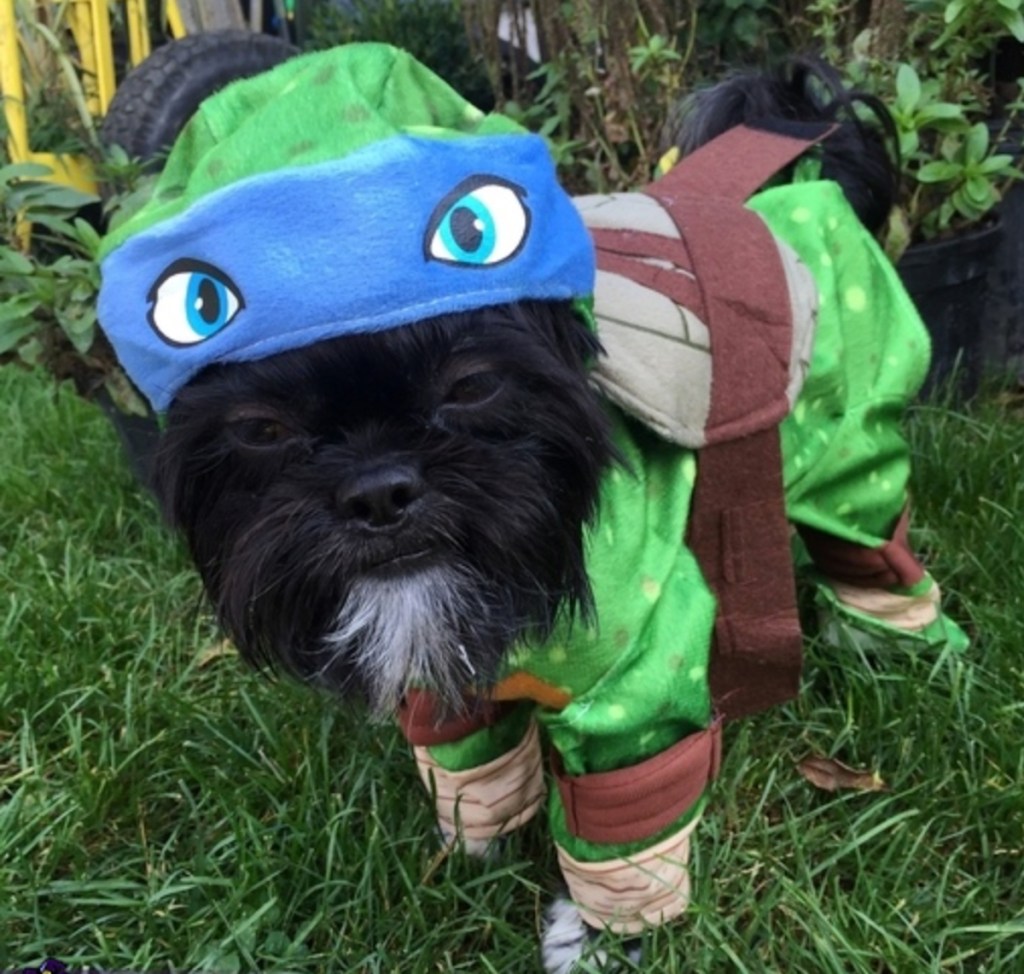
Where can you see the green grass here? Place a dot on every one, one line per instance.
(163, 809)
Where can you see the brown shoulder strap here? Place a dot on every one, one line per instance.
(738, 529)
(737, 163)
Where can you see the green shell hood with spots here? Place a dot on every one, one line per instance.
(312, 109)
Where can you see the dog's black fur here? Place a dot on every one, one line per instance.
(432, 481)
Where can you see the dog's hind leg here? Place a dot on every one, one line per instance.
(846, 464)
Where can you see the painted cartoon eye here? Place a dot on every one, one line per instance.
(192, 301)
(482, 222)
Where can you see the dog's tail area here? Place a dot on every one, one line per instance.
(861, 155)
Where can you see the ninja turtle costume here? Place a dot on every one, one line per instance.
(360, 160)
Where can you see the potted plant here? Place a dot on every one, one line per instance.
(930, 61)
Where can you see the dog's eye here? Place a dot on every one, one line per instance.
(192, 301)
(473, 389)
(260, 432)
(482, 222)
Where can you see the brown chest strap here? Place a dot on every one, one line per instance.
(737, 528)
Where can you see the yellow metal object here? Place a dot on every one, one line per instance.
(89, 21)
(138, 31)
(11, 86)
(90, 26)
(74, 171)
(175, 20)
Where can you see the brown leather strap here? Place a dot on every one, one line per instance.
(891, 564)
(424, 723)
(738, 528)
(739, 534)
(627, 252)
(737, 163)
(636, 803)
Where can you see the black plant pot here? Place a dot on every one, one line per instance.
(1003, 341)
(948, 281)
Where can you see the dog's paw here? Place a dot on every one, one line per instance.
(568, 944)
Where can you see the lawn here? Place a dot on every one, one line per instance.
(163, 809)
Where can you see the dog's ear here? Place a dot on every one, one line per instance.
(167, 478)
(187, 468)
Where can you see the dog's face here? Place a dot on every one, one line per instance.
(396, 508)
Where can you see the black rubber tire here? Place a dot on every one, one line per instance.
(157, 98)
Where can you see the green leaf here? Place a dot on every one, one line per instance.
(938, 171)
(998, 164)
(50, 196)
(1014, 23)
(980, 192)
(59, 225)
(31, 352)
(908, 87)
(13, 333)
(14, 263)
(87, 236)
(941, 111)
(976, 144)
(23, 170)
(909, 142)
(123, 394)
(18, 309)
(953, 10)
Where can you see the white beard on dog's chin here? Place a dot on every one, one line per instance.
(402, 632)
(566, 944)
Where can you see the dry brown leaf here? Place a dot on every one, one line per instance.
(831, 775)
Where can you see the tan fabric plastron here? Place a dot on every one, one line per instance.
(909, 612)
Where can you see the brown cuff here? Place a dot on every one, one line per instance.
(424, 723)
(638, 802)
(891, 564)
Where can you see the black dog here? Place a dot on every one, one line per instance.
(399, 510)
(416, 511)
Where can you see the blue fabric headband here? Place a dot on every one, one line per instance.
(403, 229)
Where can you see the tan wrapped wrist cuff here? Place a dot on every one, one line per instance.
(626, 895)
(490, 799)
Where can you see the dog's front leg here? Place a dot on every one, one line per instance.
(623, 839)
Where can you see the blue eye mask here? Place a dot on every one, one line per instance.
(401, 230)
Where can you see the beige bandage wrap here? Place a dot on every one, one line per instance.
(490, 799)
(626, 895)
(908, 612)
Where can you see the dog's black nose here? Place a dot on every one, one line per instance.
(380, 496)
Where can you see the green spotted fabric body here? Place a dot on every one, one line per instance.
(636, 679)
